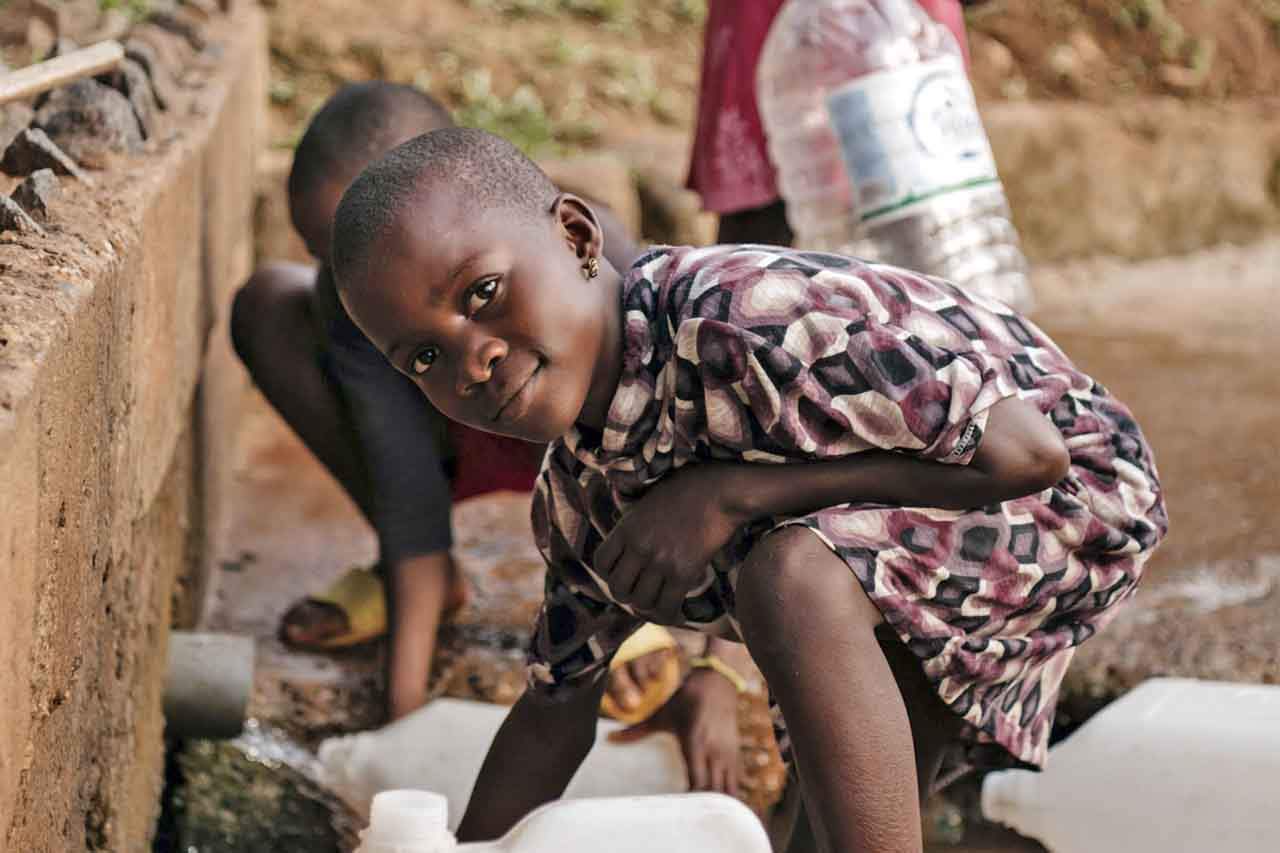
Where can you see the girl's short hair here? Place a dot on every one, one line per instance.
(485, 172)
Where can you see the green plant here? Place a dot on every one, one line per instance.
(690, 11)
(560, 51)
(282, 92)
(616, 14)
(1202, 52)
(974, 15)
(1147, 13)
(1270, 12)
(135, 9)
(522, 118)
(1152, 16)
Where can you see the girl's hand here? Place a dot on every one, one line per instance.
(660, 549)
(703, 715)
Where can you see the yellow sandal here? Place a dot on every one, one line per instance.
(649, 639)
(358, 594)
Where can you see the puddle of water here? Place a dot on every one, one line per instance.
(258, 793)
(1209, 588)
(273, 749)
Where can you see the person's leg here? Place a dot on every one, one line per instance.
(811, 629)
(766, 225)
(275, 334)
(934, 727)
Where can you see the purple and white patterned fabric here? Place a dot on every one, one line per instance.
(772, 356)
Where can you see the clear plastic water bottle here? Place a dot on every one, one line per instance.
(879, 147)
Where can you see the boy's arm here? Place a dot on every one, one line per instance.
(418, 587)
(537, 750)
(409, 507)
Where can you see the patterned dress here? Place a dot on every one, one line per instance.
(770, 356)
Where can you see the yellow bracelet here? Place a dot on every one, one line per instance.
(714, 663)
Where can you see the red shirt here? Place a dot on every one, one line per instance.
(491, 463)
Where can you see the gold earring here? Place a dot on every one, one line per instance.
(591, 268)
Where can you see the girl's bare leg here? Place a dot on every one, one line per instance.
(812, 631)
(934, 727)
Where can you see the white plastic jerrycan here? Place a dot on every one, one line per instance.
(417, 822)
(441, 746)
(1174, 765)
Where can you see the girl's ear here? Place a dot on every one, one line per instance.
(578, 226)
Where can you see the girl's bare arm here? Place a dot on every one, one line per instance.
(1021, 453)
(537, 750)
(651, 570)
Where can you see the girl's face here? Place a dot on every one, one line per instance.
(492, 316)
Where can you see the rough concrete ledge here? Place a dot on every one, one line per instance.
(108, 325)
(1137, 180)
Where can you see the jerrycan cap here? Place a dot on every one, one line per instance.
(408, 816)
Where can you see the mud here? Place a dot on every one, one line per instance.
(1188, 343)
(255, 794)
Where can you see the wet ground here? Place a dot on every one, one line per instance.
(1189, 343)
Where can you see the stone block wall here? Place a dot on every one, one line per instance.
(115, 403)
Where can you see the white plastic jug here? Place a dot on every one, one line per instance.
(415, 822)
(1174, 765)
(440, 748)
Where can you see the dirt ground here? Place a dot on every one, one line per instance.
(558, 75)
(583, 73)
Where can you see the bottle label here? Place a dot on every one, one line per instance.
(910, 135)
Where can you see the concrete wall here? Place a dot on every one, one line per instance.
(1142, 179)
(112, 402)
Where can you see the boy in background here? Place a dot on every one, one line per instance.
(394, 455)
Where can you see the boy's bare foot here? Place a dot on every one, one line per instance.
(311, 623)
(629, 682)
(317, 624)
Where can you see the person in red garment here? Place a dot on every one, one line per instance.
(730, 167)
